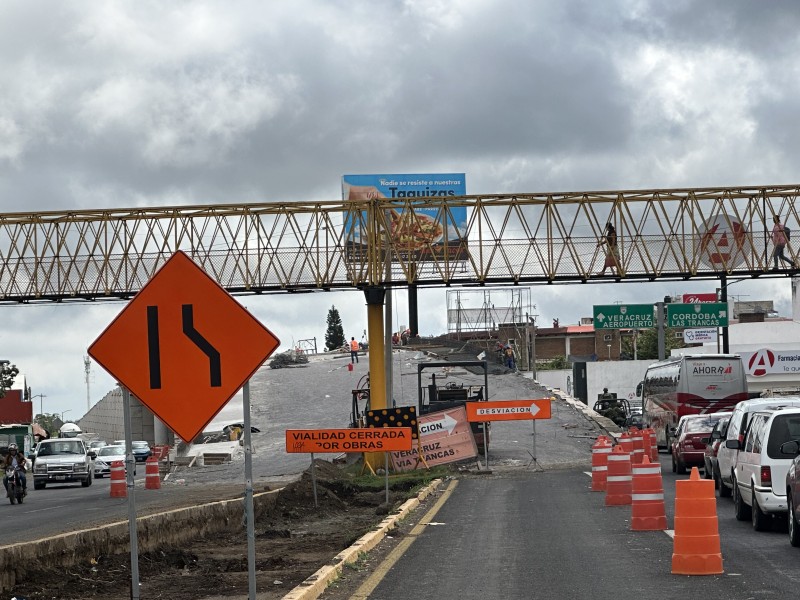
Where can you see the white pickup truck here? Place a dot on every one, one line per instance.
(62, 460)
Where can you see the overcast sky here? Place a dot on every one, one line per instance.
(121, 104)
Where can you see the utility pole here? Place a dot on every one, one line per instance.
(87, 364)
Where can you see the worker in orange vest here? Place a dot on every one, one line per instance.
(353, 350)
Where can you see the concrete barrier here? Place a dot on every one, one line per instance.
(169, 527)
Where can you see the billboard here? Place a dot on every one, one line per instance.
(414, 233)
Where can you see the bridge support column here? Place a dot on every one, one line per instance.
(377, 361)
(413, 312)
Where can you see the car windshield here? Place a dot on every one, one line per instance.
(701, 424)
(61, 447)
(140, 445)
(111, 451)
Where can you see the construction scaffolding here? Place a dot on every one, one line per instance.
(480, 313)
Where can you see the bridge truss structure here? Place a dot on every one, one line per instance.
(540, 238)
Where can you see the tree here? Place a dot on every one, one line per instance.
(334, 336)
(7, 374)
(647, 344)
(47, 422)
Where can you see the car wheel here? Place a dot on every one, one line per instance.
(681, 467)
(706, 470)
(39, 485)
(794, 527)
(724, 490)
(674, 466)
(741, 509)
(760, 518)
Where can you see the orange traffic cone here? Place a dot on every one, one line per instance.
(618, 481)
(152, 480)
(600, 451)
(647, 497)
(118, 485)
(651, 448)
(696, 550)
(638, 446)
(626, 442)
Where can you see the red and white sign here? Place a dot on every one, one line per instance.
(723, 243)
(445, 436)
(183, 346)
(508, 410)
(700, 298)
(766, 362)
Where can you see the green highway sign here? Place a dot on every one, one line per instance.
(624, 316)
(699, 314)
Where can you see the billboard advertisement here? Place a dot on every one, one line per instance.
(414, 233)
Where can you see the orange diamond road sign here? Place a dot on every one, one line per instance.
(509, 410)
(183, 346)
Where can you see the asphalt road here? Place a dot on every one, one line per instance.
(546, 535)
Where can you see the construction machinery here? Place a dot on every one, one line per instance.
(446, 393)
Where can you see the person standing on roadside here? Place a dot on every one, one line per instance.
(779, 240)
(353, 350)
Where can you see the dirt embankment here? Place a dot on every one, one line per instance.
(292, 542)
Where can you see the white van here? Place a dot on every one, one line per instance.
(759, 484)
(737, 428)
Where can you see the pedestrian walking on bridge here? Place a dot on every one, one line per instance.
(779, 239)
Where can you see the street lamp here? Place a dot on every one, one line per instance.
(41, 402)
(63, 413)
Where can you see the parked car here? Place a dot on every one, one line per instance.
(713, 442)
(107, 455)
(689, 444)
(762, 465)
(737, 429)
(62, 460)
(140, 448)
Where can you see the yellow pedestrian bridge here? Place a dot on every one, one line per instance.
(508, 239)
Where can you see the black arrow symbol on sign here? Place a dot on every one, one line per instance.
(215, 366)
(154, 350)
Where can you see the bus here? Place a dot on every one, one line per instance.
(688, 385)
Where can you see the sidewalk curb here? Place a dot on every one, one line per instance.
(317, 583)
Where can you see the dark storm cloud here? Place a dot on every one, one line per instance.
(204, 102)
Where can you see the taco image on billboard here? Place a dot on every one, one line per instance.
(414, 231)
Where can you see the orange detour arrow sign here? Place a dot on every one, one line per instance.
(508, 410)
(183, 346)
(348, 440)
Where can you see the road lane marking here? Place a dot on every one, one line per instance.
(366, 588)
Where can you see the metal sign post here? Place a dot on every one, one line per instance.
(130, 466)
(248, 494)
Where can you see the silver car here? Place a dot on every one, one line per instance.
(107, 455)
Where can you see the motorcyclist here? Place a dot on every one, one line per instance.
(15, 460)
